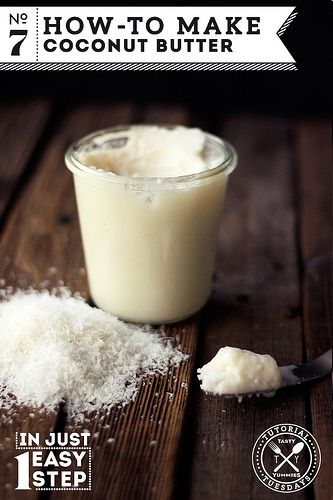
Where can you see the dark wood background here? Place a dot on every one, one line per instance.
(271, 294)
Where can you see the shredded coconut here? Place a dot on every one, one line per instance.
(56, 348)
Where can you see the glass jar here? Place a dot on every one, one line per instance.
(149, 243)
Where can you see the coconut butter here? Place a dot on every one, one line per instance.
(234, 371)
(150, 200)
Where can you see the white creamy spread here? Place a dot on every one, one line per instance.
(149, 247)
(237, 371)
(149, 151)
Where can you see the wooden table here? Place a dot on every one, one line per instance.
(271, 295)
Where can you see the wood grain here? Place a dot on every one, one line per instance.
(17, 144)
(255, 306)
(314, 169)
(17, 141)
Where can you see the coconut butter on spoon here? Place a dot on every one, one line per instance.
(236, 372)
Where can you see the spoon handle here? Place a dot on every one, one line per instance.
(304, 372)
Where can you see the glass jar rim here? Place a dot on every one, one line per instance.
(225, 166)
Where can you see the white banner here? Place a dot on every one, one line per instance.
(144, 37)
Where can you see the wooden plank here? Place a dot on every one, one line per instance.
(17, 144)
(314, 169)
(255, 306)
(17, 141)
(42, 233)
(140, 461)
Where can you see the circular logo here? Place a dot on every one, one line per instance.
(286, 458)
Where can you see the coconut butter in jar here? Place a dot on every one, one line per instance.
(150, 199)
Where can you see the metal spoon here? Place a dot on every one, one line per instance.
(297, 374)
(304, 372)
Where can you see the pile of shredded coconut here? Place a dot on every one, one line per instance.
(56, 348)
